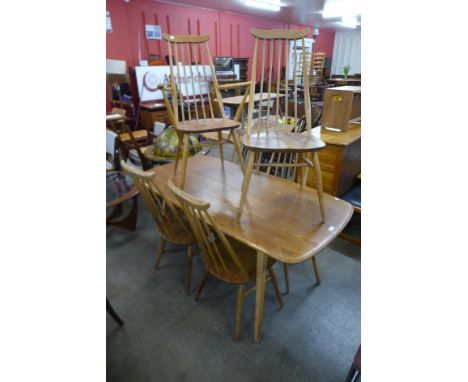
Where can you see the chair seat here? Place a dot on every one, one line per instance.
(280, 141)
(354, 196)
(206, 125)
(246, 255)
(137, 134)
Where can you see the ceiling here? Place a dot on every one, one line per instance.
(305, 12)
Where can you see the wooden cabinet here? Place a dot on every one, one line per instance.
(243, 67)
(340, 105)
(151, 112)
(340, 160)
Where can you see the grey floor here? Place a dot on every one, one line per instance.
(168, 336)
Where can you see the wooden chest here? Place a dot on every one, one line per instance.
(340, 160)
(340, 105)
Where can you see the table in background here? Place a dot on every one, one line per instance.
(119, 189)
(279, 220)
(340, 160)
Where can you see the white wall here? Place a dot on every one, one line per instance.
(347, 50)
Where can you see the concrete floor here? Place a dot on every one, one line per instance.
(168, 336)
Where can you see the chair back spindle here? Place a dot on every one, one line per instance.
(191, 70)
(214, 245)
(168, 219)
(275, 47)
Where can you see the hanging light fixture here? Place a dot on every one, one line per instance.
(269, 5)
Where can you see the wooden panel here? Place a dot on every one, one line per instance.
(350, 167)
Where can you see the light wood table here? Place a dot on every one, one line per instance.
(236, 100)
(340, 160)
(279, 220)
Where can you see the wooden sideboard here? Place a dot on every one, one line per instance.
(340, 160)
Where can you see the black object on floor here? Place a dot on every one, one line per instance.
(112, 313)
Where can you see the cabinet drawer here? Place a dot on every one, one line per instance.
(328, 180)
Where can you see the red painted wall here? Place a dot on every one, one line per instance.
(229, 33)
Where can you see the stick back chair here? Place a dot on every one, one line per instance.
(189, 113)
(271, 134)
(224, 257)
(170, 221)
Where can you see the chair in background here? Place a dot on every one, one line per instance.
(112, 152)
(189, 95)
(169, 220)
(271, 135)
(224, 257)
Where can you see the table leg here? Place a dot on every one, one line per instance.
(318, 183)
(260, 294)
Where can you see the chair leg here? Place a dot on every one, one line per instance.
(221, 150)
(246, 182)
(238, 150)
(184, 160)
(316, 270)
(162, 242)
(179, 145)
(318, 183)
(240, 304)
(274, 281)
(189, 268)
(286, 276)
(202, 284)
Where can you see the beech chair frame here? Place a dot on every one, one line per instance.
(218, 254)
(274, 136)
(169, 220)
(195, 49)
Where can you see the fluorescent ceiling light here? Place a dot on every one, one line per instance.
(269, 5)
(340, 8)
(349, 21)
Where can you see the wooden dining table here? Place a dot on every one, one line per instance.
(279, 220)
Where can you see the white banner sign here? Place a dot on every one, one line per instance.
(150, 77)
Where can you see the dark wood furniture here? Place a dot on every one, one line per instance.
(169, 220)
(224, 257)
(120, 189)
(243, 67)
(280, 220)
(151, 112)
(340, 161)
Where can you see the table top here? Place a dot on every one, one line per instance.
(340, 138)
(238, 99)
(278, 218)
(119, 188)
